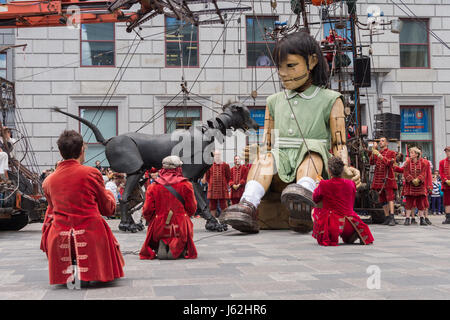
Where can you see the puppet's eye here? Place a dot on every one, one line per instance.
(291, 65)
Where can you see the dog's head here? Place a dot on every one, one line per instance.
(235, 115)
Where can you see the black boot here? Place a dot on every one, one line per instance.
(413, 221)
(422, 221)
(447, 219)
(428, 222)
(392, 220)
(386, 221)
(407, 221)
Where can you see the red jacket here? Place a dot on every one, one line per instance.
(338, 197)
(238, 176)
(383, 176)
(411, 170)
(444, 172)
(77, 199)
(218, 177)
(178, 233)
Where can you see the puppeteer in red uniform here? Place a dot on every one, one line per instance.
(336, 217)
(74, 229)
(384, 179)
(238, 179)
(417, 174)
(444, 173)
(170, 231)
(217, 178)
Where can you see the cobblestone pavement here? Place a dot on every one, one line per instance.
(414, 263)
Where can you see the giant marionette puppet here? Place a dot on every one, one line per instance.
(303, 124)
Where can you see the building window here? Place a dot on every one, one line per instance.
(344, 39)
(3, 65)
(181, 117)
(416, 129)
(97, 45)
(414, 50)
(259, 45)
(181, 42)
(105, 119)
(257, 113)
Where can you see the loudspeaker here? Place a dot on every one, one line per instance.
(362, 72)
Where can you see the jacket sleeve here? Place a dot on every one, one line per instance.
(230, 181)
(105, 198)
(243, 176)
(407, 173)
(227, 172)
(149, 205)
(317, 195)
(442, 172)
(399, 169)
(389, 158)
(190, 203)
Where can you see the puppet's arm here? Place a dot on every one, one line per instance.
(338, 141)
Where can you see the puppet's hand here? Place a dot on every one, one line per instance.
(352, 174)
(447, 182)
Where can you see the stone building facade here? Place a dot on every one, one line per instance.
(51, 71)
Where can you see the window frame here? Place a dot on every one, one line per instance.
(115, 108)
(259, 107)
(430, 107)
(6, 65)
(177, 41)
(427, 21)
(256, 17)
(166, 108)
(103, 41)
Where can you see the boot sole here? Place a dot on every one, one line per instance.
(240, 221)
(299, 207)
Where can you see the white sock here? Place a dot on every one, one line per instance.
(253, 192)
(308, 183)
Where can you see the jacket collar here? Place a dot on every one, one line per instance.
(308, 92)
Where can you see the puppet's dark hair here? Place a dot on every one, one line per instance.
(302, 43)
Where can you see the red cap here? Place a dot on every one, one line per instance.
(153, 170)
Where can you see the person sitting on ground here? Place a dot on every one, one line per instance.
(337, 217)
(169, 204)
(74, 234)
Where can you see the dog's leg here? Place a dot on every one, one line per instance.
(212, 224)
(127, 223)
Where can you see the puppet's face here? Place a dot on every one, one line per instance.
(294, 72)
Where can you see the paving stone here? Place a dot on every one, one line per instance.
(277, 264)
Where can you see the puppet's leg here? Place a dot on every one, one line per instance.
(243, 215)
(297, 197)
(127, 223)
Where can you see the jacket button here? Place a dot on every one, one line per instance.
(290, 131)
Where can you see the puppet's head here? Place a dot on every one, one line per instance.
(299, 59)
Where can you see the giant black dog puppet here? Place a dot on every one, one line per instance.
(133, 153)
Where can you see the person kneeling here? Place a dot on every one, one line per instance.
(77, 240)
(337, 217)
(169, 204)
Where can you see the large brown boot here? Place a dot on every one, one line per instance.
(298, 200)
(241, 216)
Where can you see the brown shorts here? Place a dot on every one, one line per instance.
(419, 202)
(213, 204)
(386, 195)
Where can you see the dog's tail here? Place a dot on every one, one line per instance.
(98, 135)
